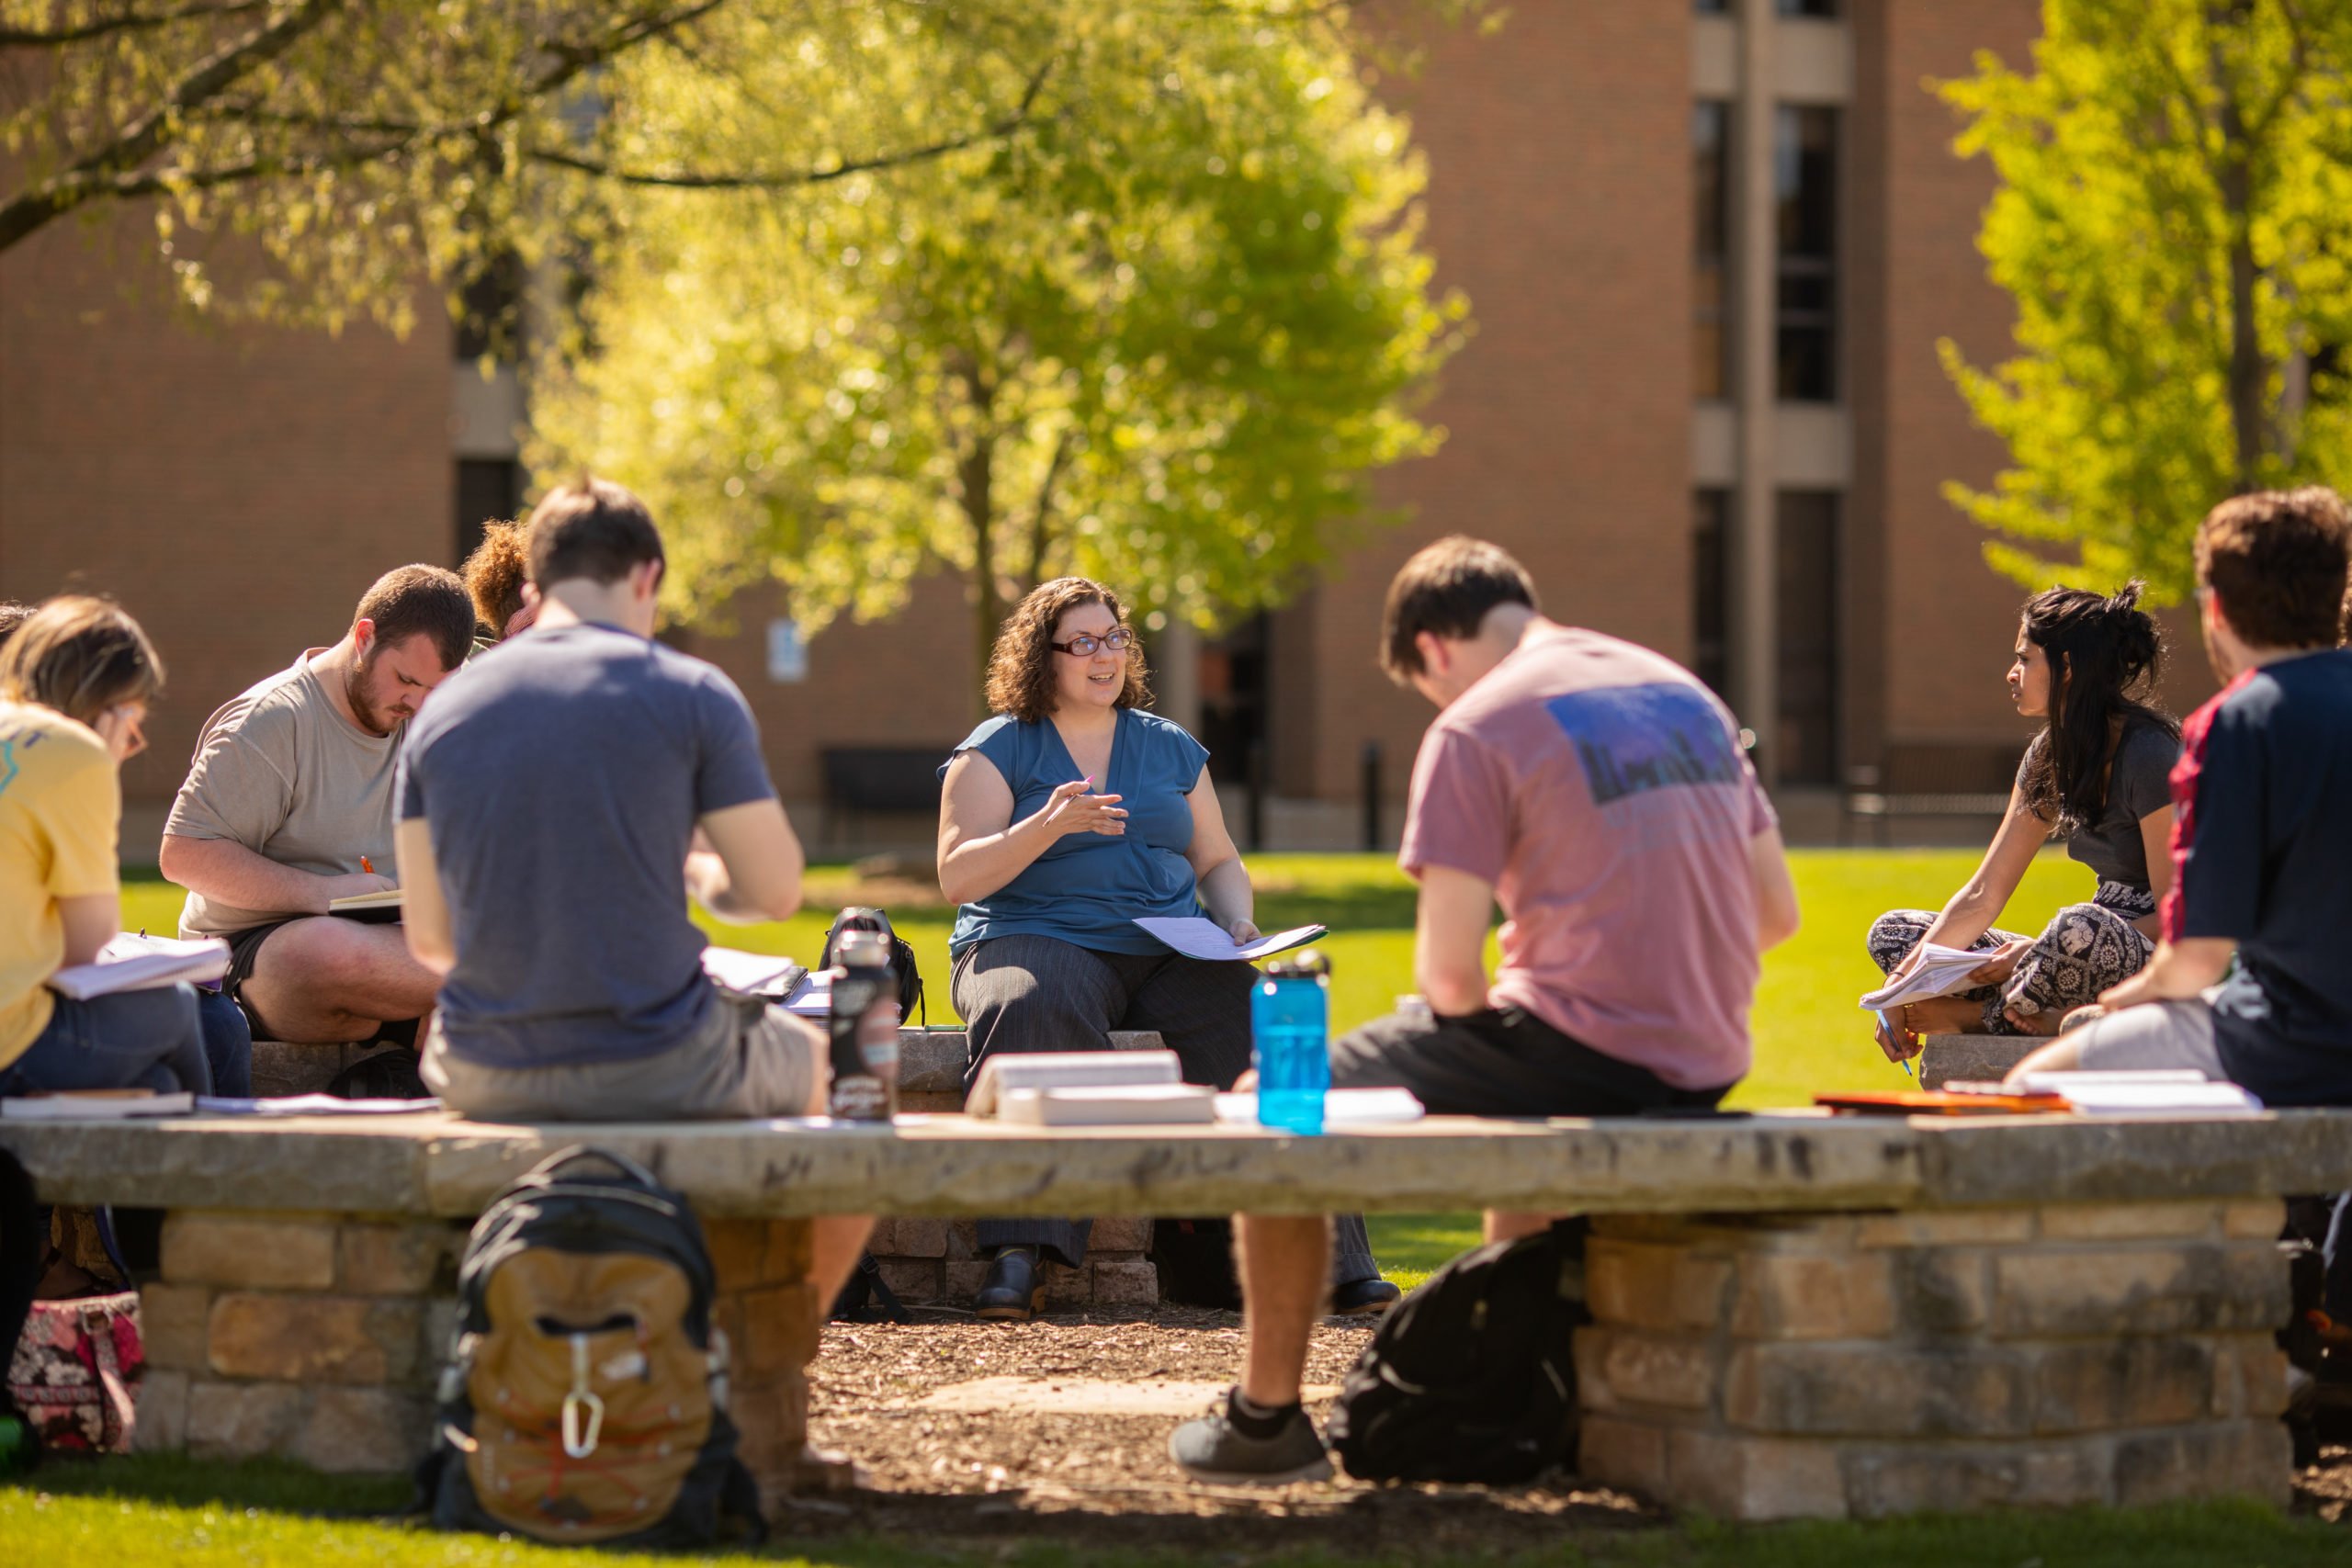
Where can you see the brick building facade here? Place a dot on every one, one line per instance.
(1710, 246)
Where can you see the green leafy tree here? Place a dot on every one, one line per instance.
(2174, 221)
(1159, 334)
(361, 146)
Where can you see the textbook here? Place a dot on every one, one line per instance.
(1197, 937)
(1937, 972)
(1112, 1105)
(1001, 1076)
(96, 1105)
(385, 899)
(130, 963)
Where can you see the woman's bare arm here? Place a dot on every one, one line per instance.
(1970, 912)
(1216, 865)
(980, 846)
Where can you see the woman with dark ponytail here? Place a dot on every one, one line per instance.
(2097, 777)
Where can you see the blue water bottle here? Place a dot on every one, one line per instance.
(1290, 1011)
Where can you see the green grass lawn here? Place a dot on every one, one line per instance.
(151, 1509)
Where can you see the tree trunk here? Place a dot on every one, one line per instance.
(2250, 418)
(975, 471)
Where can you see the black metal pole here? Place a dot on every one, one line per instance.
(1256, 770)
(1371, 795)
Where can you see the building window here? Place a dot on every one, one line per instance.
(1710, 231)
(1804, 171)
(1710, 587)
(1827, 9)
(1807, 737)
(1710, 8)
(490, 490)
(787, 652)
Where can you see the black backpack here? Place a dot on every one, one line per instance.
(585, 1399)
(902, 955)
(1472, 1376)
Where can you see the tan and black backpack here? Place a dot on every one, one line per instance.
(585, 1399)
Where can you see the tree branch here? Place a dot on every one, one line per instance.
(790, 179)
(94, 176)
(31, 37)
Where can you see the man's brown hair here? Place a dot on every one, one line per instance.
(1021, 669)
(428, 599)
(1446, 589)
(2276, 558)
(495, 572)
(79, 656)
(594, 529)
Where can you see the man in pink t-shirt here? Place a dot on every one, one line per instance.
(1596, 791)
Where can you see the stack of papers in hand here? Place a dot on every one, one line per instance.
(752, 973)
(1197, 938)
(1938, 971)
(130, 963)
(1111, 1105)
(2144, 1093)
(96, 1105)
(1001, 1076)
(382, 898)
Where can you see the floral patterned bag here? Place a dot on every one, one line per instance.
(74, 1370)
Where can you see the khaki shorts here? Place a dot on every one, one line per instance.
(2153, 1034)
(748, 1059)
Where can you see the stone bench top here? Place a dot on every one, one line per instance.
(439, 1164)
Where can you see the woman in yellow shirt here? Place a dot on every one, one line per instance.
(75, 680)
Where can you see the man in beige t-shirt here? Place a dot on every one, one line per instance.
(288, 805)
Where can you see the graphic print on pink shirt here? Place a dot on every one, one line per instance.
(1597, 786)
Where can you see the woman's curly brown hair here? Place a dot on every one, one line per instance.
(495, 574)
(1021, 671)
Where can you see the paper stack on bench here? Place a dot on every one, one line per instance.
(1125, 1089)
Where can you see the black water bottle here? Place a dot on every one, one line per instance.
(862, 1029)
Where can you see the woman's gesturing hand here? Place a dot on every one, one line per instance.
(1070, 809)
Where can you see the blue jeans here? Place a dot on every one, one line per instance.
(155, 1039)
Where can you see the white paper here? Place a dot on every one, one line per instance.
(1100, 1105)
(1197, 937)
(307, 1105)
(751, 974)
(1341, 1108)
(813, 998)
(129, 963)
(95, 1106)
(1937, 972)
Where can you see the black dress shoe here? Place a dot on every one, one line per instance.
(1011, 1293)
(1365, 1295)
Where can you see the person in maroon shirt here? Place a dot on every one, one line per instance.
(2262, 827)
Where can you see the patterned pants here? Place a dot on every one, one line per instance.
(2084, 950)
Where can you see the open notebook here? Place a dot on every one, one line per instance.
(130, 963)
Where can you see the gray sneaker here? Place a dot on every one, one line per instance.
(1211, 1450)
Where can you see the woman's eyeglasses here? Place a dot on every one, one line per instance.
(1083, 645)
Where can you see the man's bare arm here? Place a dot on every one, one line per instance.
(1450, 940)
(752, 872)
(2179, 971)
(225, 871)
(425, 909)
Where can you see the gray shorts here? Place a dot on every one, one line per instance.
(748, 1059)
(2153, 1034)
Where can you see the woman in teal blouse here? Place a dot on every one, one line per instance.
(1062, 819)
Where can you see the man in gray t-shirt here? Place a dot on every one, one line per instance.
(555, 803)
(288, 805)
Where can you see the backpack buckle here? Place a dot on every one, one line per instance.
(582, 1397)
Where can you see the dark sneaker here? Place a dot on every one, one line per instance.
(1358, 1296)
(1012, 1292)
(1213, 1450)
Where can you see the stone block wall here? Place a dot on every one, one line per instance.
(1783, 1366)
(318, 1337)
(939, 1261)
